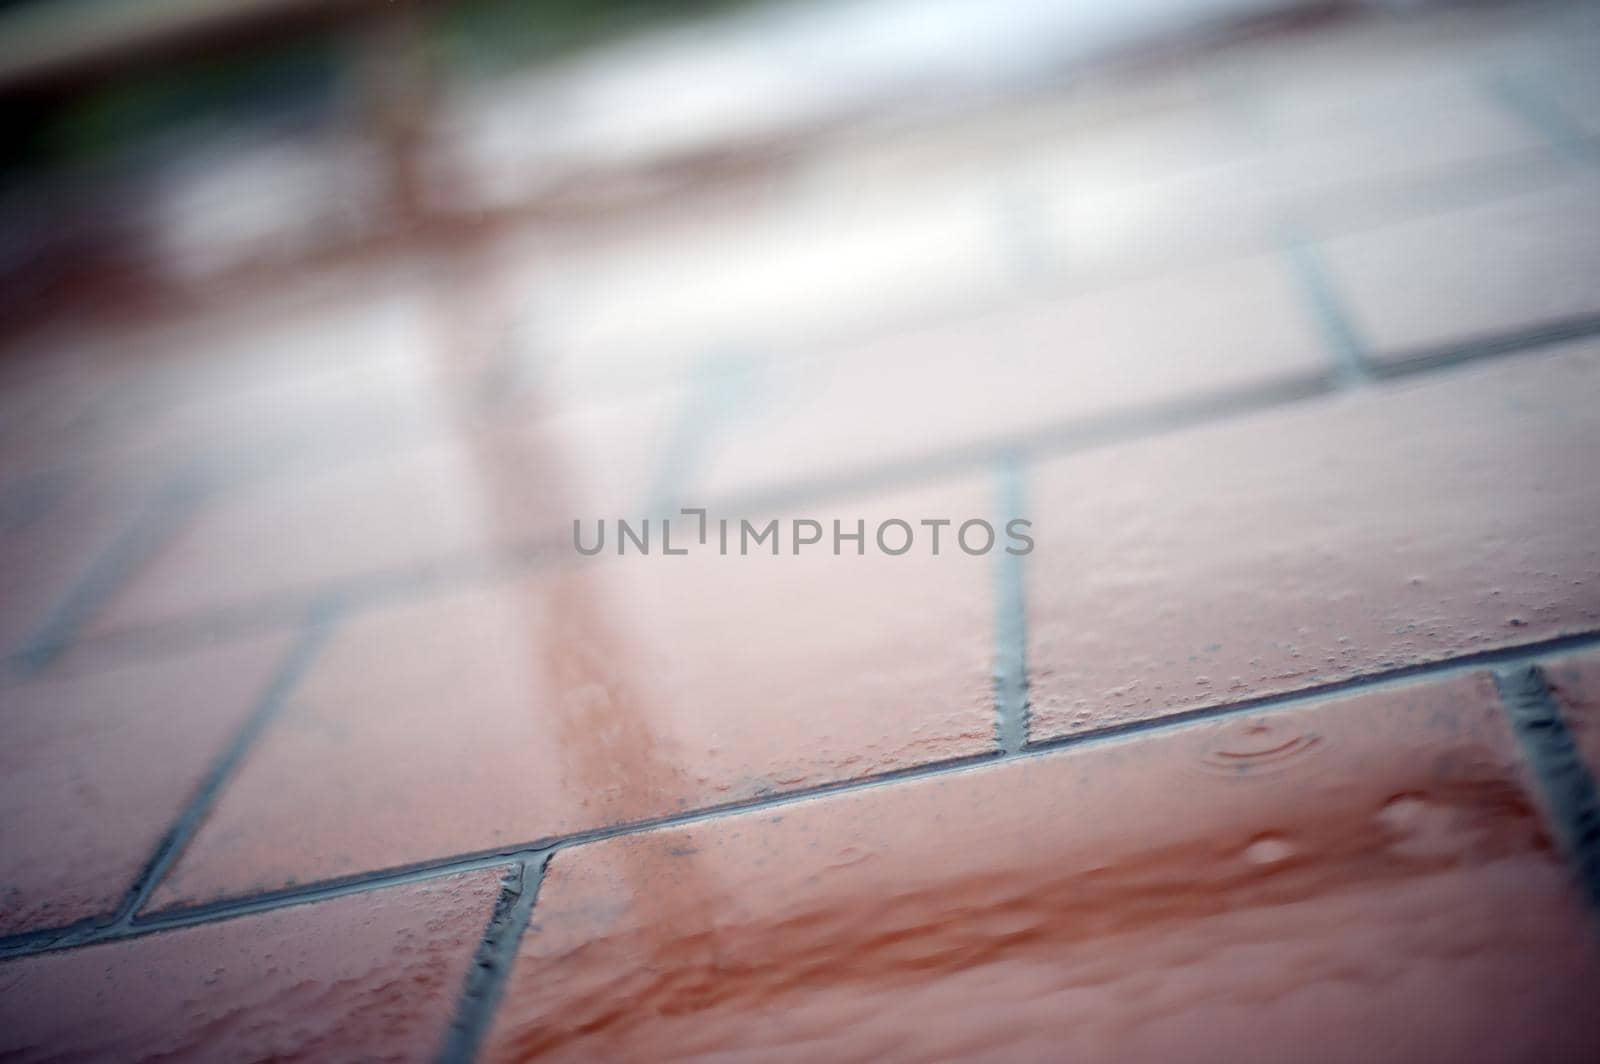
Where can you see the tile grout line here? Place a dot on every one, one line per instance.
(1531, 105)
(1569, 789)
(296, 661)
(1053, 441)
(1011, 621)
(471, 568)
(277, 612)
(1318, 294)
(695, 428)
(1379, 681)
(155, 523)
(493, 960)
(1425, 360)
(51, 940)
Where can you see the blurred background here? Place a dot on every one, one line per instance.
(337, 313)
(153, 147)
(304, 295)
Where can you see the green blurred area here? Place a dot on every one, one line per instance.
(300, 79)
(484, 36)
(137, 112)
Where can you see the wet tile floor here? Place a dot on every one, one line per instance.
(321, 740)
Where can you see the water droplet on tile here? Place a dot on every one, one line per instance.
(1257, 747)
(1421, 828)
(1269, 850)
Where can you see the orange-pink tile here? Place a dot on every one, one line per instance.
(374, 976)
(1342, 537)
(616, 691)
(70, 532)
(1499, 267)
(287, 539)
(1364, 879)
(94, 769)
(1018, 371)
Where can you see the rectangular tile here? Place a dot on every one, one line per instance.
(1342, 537)
(66, 529)
(1362, 879)
(798, 270)
(1350, 151)
(285, 540)
(182, 384)
(372, 976)
(1514, 264)
(625, 689)
(1019, 370)
(95, 769)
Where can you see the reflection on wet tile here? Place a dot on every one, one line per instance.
(373, 362)
(1365, 879)
(316, 359)
(744, 281)
(616, 691)
(1017, 371)
(1575, 683)
(371, 977)
(507, 486)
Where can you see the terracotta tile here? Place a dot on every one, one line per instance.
(1575, 683)
(374, 328)
(1314, 211)
(94, 769)
(1248, 206)
(309, 415)
(1342, 537)
(286, 539)
(1396, 134)
(373, 976)
(1140, 193)
(43, 410)
(61, 527)
(1175, 139)
(186, 385)
(439, 350)
(1356, 154)
(1362, 879)
(616, 691)
(1362, 153)
(1113, 228)
(1019, 370)
(1499, 267)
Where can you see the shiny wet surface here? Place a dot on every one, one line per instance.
(319, 739)
(1366, 878)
